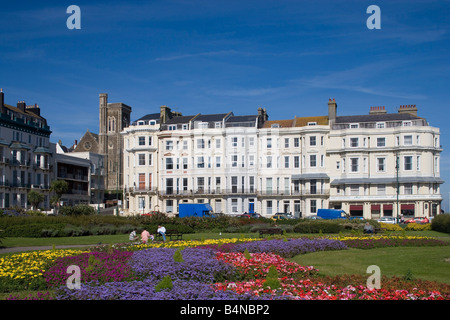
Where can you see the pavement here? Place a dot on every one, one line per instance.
(22, 249)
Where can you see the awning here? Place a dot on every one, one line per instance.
(376, 207)
(387, 206)
(407, 207)
(308, 176)
(392, 180)
(356, 208)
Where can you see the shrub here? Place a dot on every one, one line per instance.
(441, 223)
(80, 210)
(418, 226)
(317, 226)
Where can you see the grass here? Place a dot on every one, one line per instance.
(427, 263)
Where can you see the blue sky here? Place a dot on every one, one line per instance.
(221, 56)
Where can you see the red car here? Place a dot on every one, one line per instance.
(418, 220)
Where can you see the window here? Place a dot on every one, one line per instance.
(185, 163)
(141, 202)
(313, 206)
(169, 145)
(200, 184)
(185, 126)
(380, 125)
(418, 163)
(354, 142)
(407, 160)
(312, 160)
(354, 125)
(251, 141)
(169, 186)
(406, 123)
(142, 141)
(354, 162)
(286, 162)
(234, 142)
(141, 159)
(234, 181)
(407, 140)
(338, 165)
(185, 145)
(169, 163)
(381, 164)
(296, 162)
(149, 141)
(313, 186)
(286, 142)
(200, 143)
(312, 123)
(269, 143)
(172, 127)
(381, 189)
(312, 141)
(251, 160)
(252, 183)
(217, 162)
(269, 207)
(381, 142)
(234, 159)
(234, 205)
(408, 188)
(354, 190)
(269, 162)
(296, 142)
(217, 143)
(200, 162)
(218, 124)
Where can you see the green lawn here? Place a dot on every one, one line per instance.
(427, 263)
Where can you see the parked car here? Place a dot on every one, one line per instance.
(418, 220)
(389, 220)
(282, 216)
(313, 217)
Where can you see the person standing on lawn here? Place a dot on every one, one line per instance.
(162, 231)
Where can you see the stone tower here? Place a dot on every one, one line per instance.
(114, 117)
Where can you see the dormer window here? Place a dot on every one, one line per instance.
(313, 123)
(354, 125)
(275, 125)
(172, 127)
(152, 122)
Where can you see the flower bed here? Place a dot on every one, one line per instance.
(213, 269)
(370, 242)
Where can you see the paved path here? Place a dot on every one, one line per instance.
(21, 249)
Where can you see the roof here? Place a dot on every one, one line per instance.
(303, 121)
(377, 117)
(151, 116)
(180, 119)
(211, 117)
(242, 118)
(281, 123)
(27, 112)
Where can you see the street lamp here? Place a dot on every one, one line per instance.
(397, 167)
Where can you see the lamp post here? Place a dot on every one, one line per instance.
(397, 167)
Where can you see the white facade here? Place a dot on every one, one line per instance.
(240, 164)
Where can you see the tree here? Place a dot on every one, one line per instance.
(59, 187)
(35, 198)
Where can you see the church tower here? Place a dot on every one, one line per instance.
(113, 117)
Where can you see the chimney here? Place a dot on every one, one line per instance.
(164, 114)
(35, 109)
(21, 106)
(2, 101)
(411, 109)
(377, 110)
(262, 117)
(332, 111)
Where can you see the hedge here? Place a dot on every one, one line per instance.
(441, 223)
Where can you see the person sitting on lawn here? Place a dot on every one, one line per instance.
(133, 236)
(368, 228)
(162, 231)
(144, 236)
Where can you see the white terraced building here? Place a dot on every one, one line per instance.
(373, 165)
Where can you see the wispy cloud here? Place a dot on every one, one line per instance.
(363, 79)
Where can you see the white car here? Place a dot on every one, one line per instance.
(389, 220)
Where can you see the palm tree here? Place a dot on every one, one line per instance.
(35, 198)
(59, 187)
